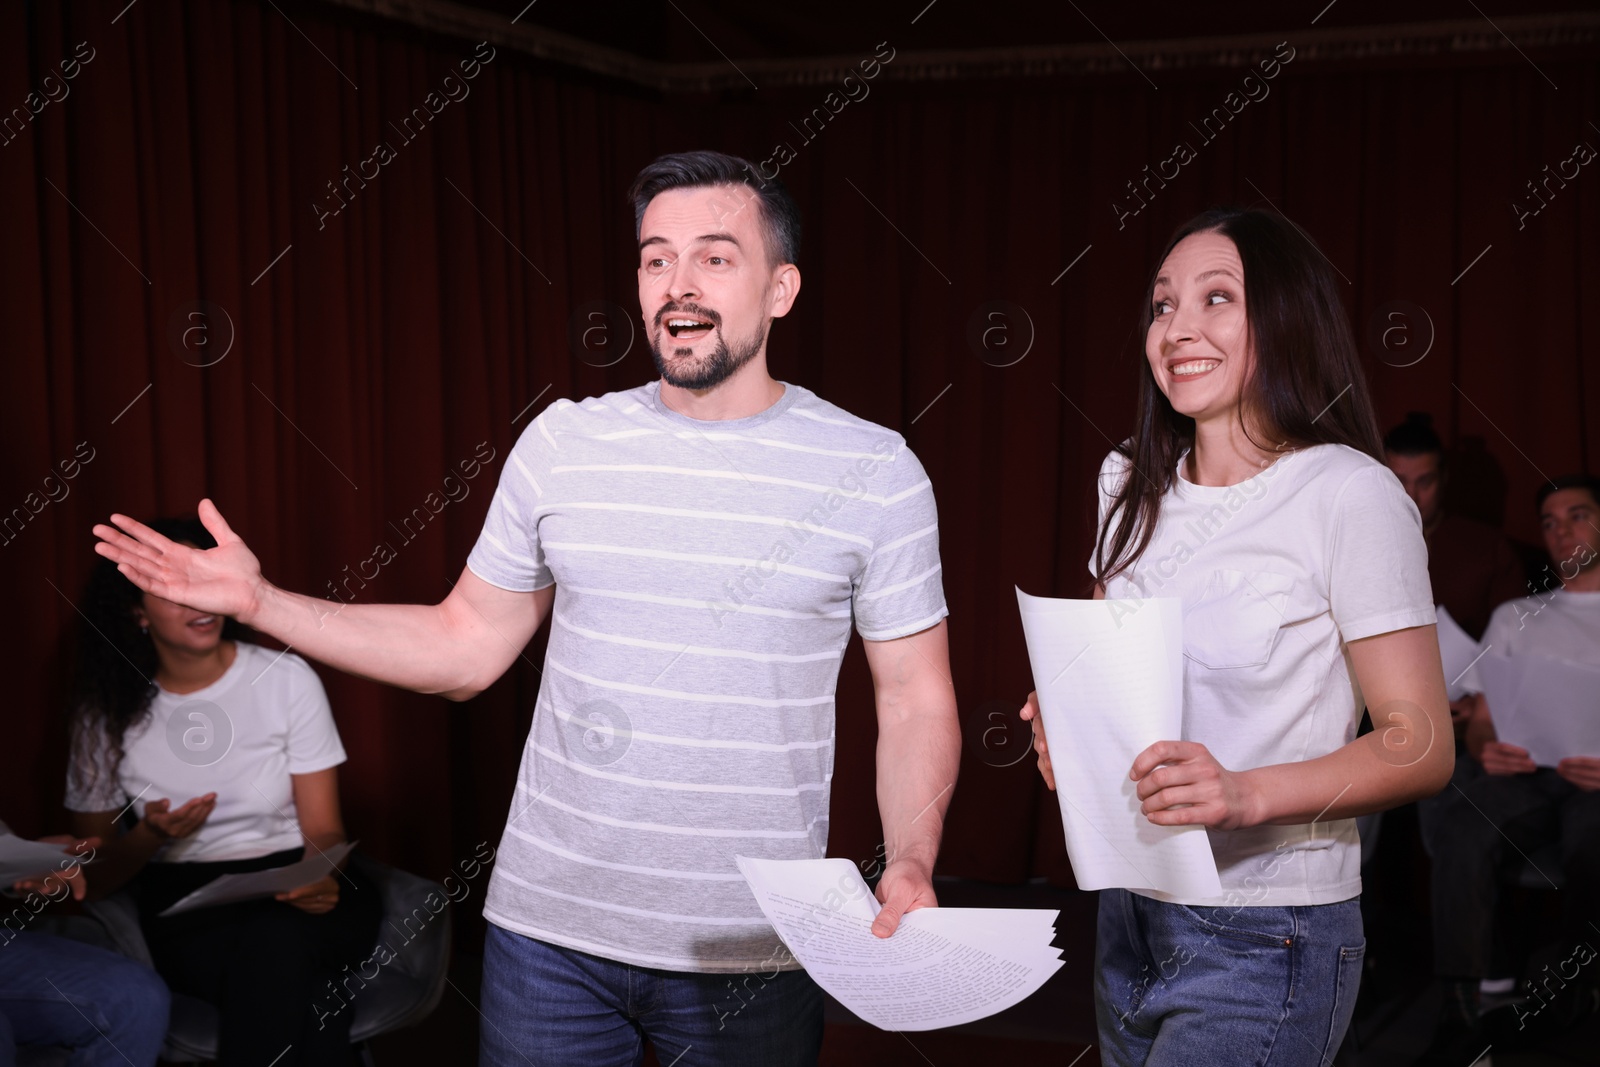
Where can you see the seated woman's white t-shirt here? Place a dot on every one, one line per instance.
(1277, 575)
(240, 737)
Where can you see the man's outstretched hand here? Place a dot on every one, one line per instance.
(225, 580)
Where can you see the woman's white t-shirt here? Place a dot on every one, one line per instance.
(240, 737)
(1276, 575)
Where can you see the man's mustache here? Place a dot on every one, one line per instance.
(672, 306)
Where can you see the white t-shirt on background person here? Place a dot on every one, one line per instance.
(1276, 575)
(240, 737)
(1560, 625)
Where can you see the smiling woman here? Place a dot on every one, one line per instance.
(1251, 376)
(226, 754)
(1291, 343)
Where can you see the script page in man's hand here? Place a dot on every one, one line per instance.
(1109, 674)
(943, 966)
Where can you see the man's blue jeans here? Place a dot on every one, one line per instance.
(553, 1006)
(1269, 987)
(110, 1010)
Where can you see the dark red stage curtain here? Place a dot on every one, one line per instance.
(185, 170)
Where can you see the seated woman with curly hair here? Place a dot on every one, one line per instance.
(227, 754)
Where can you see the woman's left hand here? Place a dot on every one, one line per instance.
(1182, 784)
(316, 898)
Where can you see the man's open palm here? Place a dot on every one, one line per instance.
(224, 580)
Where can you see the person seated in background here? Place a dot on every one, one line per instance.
(1501, 801)
(1471, 565)
(170, 703)
(55, 993)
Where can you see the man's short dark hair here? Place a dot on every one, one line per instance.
(1567, 481)
(780, 215)
(1414, 437)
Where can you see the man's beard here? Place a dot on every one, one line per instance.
(707, 371)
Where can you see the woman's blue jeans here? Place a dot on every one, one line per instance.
(1270, 987)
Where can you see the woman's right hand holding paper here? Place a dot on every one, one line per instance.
(1030, 714)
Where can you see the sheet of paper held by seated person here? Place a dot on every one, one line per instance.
(943, 966)
(21, 858)
(1548, 706)
(1109, 674)
(253, 885)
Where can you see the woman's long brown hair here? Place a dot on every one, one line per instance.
(1307, 386)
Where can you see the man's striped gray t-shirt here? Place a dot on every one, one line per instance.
(707, 575)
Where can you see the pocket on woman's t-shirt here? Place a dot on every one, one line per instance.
(1236, 620)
